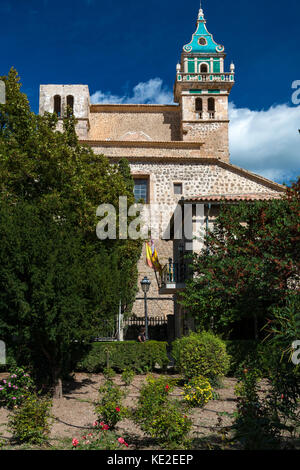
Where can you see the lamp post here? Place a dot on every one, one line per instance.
(145, 283)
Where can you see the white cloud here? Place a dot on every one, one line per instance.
(151, 92)
(266, 142)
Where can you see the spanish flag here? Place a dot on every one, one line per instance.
(152, 257)
(149, 255)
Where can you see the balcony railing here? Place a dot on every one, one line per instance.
(205, 77)
(173, 273)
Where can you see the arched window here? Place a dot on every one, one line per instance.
(57, 105)
(70, 103)
(199, 107)
(211, 107)
(198, 104)
(204, 68)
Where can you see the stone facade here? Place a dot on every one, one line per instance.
(184, 144)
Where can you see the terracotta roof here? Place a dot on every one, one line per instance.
(235, 197)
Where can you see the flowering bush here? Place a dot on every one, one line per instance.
(158, 417)
(102, 438)
(14, 389)
(198, 392)
(153, 395)
(110, 409)
(30, 422)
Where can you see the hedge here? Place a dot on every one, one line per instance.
(126, 354)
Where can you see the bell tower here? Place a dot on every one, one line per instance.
(202, 88)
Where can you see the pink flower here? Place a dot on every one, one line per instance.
(282, 397)
(105, 427)
(122, 441)
(75, 442)
(95, 423)
(118, 409)
(102, 423)
(14, 398)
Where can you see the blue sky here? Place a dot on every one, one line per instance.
(116, 46)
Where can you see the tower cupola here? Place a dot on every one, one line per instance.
(202, 88)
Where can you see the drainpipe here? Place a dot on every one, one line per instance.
(207, 220)
(212, 320)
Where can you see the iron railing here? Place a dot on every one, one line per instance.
(173, 273)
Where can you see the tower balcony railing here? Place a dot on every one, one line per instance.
(205, 77)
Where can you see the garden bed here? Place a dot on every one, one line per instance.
(74, 414)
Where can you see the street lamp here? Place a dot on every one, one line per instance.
(145, 283)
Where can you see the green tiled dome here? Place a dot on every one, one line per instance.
(202, 41)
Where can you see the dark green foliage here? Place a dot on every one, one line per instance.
(200, 354)
(255, 426)
(58, 282)
(122, 355)
(254, 254)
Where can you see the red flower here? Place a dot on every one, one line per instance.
(105, 427)
(282, 397)
(167, 387)
(118, 409)
(75, 442)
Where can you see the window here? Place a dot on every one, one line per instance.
(57, 105)
(177, 188)
(70, 103)
(199, 107)
(202, 42)
(198, 104)
(211, 107)
(141, 189)
(204, 68)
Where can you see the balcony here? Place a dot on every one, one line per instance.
(172, 278)
(205, 77)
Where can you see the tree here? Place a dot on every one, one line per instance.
(252, 263)
(58, 281)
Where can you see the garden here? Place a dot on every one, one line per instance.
(204, 401)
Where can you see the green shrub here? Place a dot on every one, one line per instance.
(160, 418)
(153, 395)
(140, 357)
(32, 420)
(109, 373)
(201, 354)
(128, 376)
(110, 409)
(198, 392)
(15, 387)
(170, 427)
(256, 427)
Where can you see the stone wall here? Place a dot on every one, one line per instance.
(144, 123)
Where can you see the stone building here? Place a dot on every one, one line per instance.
(178, 154)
